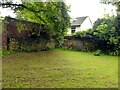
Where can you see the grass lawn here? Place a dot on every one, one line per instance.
(59, 69)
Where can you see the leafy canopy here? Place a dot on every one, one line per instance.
(105, 35)
(54, 15)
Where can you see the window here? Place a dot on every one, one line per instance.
(72, 30)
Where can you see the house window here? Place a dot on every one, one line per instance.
(72, 30)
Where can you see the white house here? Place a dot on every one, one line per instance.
(79, 24)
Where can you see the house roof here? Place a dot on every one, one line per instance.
(78, 21)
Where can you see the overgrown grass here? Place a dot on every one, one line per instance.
(59, 69)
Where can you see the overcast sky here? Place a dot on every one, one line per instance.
(91, 8)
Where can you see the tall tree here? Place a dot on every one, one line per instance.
(52, 14)
(117, 4)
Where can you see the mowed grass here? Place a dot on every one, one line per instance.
(59, 69)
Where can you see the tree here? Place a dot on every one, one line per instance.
(105, 35)
(54, 15)
(117, 19)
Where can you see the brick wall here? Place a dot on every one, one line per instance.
(10, 30)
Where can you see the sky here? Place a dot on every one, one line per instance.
(79, 8)
(92, 8)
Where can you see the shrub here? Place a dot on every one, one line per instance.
(105, 35)
(6, 52)
(98, 53)
(113, 53)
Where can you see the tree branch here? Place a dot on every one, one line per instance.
(6, 5)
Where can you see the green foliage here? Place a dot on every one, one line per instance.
(97, 52)
(81, 34)
(21, 26)
(1, 19)
(54, 15)
(5, 52)
(84, 34)
(105, 35)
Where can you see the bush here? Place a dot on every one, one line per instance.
(105, 35)
(6, 52)
(113, 53)
(98, 53)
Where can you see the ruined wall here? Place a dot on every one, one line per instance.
(78, 44)
(17, 39)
